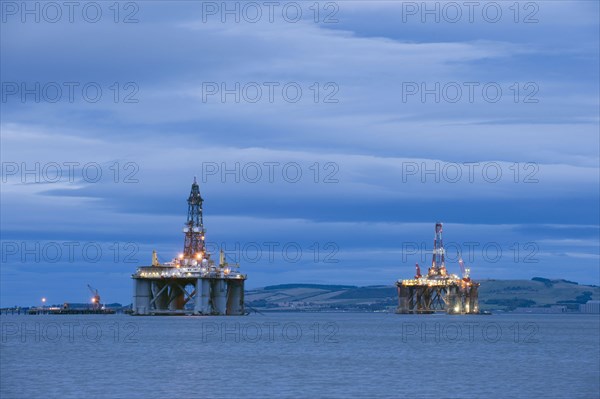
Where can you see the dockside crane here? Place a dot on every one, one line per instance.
(95, 298)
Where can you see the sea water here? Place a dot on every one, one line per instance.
(301, 355)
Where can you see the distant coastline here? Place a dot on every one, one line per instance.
(538, 295)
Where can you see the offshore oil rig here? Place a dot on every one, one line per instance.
(191, 284)
(438, 291)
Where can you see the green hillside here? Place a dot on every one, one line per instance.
(493, 295)
(539, 291)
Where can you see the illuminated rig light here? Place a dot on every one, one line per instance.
(439, 290)
(192, 267)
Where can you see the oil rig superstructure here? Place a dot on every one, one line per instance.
(191, 284)
(438, 291)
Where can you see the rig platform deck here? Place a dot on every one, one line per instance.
(191, 284)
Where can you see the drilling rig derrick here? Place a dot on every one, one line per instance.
(191, 284)
(438, 291)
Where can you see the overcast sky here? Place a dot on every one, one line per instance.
(345, 133)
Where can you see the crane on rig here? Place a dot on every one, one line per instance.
(464, 271)
(418, 274)
(95, 298)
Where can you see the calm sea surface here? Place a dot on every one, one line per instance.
(301, 355)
